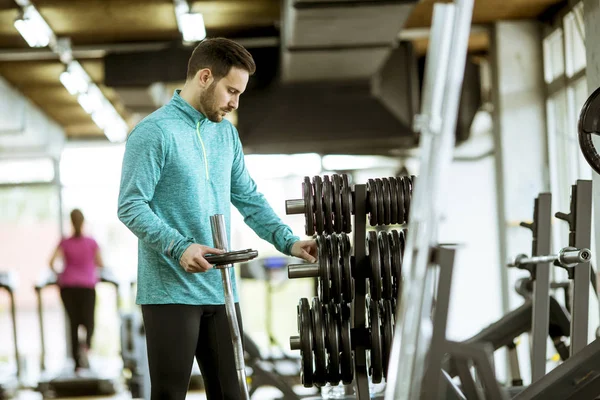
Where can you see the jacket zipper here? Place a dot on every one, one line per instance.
(203, 149)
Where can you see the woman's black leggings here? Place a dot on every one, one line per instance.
(80, 305)
(175, 333)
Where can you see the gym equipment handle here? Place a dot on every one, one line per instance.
(303, 271)
(295, 206)
(295, 343)
(567, 256)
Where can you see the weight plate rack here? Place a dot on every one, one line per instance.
(345, 332)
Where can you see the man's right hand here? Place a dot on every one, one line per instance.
(192, 260)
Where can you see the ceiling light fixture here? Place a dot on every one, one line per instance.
(37, 33)
(190, 24)
(33, 28)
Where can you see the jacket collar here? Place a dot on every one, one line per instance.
(189, 113)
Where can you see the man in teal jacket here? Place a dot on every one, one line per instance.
(182, 164)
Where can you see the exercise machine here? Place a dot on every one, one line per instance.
(9, 379)
(66, 383)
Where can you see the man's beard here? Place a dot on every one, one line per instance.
(209, 105)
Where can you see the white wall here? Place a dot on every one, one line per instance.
(24, 129)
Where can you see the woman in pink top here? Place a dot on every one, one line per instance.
(77, 283)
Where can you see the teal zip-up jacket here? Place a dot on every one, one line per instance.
(180, 168)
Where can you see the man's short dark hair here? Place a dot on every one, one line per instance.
(219, 54)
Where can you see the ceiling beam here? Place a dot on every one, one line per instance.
(101, 50)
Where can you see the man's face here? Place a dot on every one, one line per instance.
(223, 96)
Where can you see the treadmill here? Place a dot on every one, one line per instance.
(66, 383)
(9, 380)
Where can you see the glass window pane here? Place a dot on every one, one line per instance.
(553, 56)
(29, 233)
(24, 171)
(580, 95)
(575, 46)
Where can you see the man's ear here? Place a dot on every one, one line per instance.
(204, 78)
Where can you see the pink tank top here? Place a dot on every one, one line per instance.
(79, 262)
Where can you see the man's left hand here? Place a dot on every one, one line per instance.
(305, 249)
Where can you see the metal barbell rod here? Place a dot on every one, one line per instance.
(295, 343)
(294, 206)
(217, 224)
(566, 256)
(303, 271)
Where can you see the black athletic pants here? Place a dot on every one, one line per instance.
(175, 333)
(79, 305)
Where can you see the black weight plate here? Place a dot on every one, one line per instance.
(402, 235)
(347, 204)
(387, 334)
(411, 186)
(376, 351)
(380, 203)
(333, 345)
(328, 204)
(387, 201)
(231, 257)
(309, 212)
(306, 342)
(319, 332)
(347, 360)
(393, 200)
(319, 213)
(347, 279)
(372, 202)
(386, 265)
(333, 245)
(406, 188)
(324, 269)
(338, 221)
(400, 201)
(375, 261)
(396, 262)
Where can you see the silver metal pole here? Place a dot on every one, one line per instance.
(217, 224)
(446, 59)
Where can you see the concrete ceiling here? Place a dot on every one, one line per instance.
(100, 27)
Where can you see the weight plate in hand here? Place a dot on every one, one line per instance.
(333, 245)
(376, 369)
(375, 273)
(347, 205)
(328, 204)
(306, 342)
(347, 360)
(386, 265)
(372, 202)
(387, 334)
(338, 217)
(380, 206)
(400, 200)
(333, 345)
(231, 257)
(309, 212)
(347, 278)
(320, 374)
(324, 270)
(319, 213)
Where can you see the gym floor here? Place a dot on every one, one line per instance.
(29, 395)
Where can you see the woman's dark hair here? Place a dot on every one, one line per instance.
(219, 54)
(77, 221)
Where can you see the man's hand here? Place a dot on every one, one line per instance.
(305, 249)
(192, 260)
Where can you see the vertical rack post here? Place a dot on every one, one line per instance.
(542, 239)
